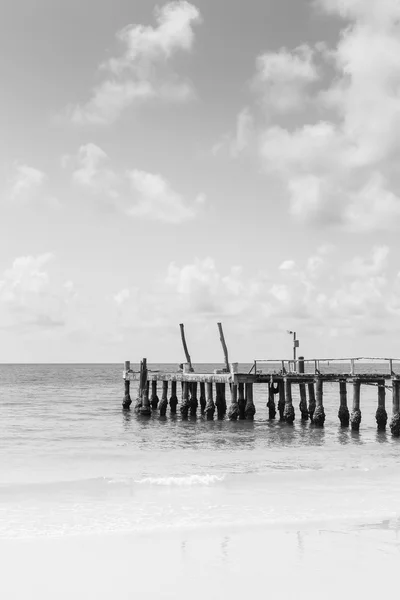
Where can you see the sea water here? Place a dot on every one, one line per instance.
(73, 463)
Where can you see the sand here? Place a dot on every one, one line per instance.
(352, 560)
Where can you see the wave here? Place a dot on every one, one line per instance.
(182, 481)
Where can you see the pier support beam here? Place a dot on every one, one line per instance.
(185, 400)
(220, 400)
(302, 391)
(173, 401)
(250, 409)
(289, 414)
(241, 402)
(381, 414)
(126, 402)
(356, 412)
(210, 406)
(319, 414)
(145, 409)
(343, 413)
(395, 421)
(281, 401)
(271, 400)
(193, 399)
(203, 400)
(233, 412)
(154, 400)
(164, 399)
(311, 400)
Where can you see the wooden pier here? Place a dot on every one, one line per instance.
(205, 393)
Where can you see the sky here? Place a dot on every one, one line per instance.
(199, 162)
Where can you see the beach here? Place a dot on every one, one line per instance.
(100, 503)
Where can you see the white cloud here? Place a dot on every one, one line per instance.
(122, 296)
(287, 265)
(153, 198)
(25, 181)
(142, 71)
(337, 162)
(29, 297)
(92, 171)
(282, 78)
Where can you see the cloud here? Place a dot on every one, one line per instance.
(282, 78)
(153, 198)
(30, 298)
(142, 71)
(25, 181)
(287, 265)
(92, 171)
(336, 161)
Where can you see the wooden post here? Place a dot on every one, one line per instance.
(343, 413)
(272, 390)
(289, 414)
(145, 409)
(220, 400)
(250, 409)
(233, 413)
(381, 414)
(395, 421)
(224, 347)
(164, 399)
(126, 402)
(311, 400)
(138, 403)
(173, 401)
(302, 390)
(154, 400)
(185, 348)
(193, 399)
(203, 400)
(319, 414)
(356, 412)
(210, 406)
(241, 402)
(185, 400)
(281, 402)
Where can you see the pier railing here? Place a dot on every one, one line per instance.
(345, 366)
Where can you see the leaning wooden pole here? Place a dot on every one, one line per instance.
(224, 347)
(185, 348)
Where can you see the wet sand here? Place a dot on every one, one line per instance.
(353, 559)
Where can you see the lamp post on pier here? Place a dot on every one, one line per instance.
(296, 344)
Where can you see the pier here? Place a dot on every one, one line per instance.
(205, 394)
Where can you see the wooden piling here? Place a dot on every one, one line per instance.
(381, 414)
(220, 400)
(395, 421)
(281, 401)
(289, 414)
(193, 399)
(356, 412)
(233, 412)
(343, 413)
(154, 400)
(126, 402)
(173, 401)
(210, 406)
(224, 347)
(250, 409)
(145, 408)
(319, 414)
(302, 391)
(185, 348)
(164, 399)
(241, 402)
(202, 399)
(185, 400)
(272, 390)
(311, 400)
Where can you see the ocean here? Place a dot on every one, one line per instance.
(74, 465)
